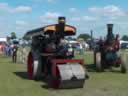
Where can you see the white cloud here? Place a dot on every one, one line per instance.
(50, 17)
(21, 9)
(89, 18)
(84, 18)
(7, 8)
(49, 1)
(111, 11)
(76, 19)
(21, 23)
(73, 10)
(3, 5)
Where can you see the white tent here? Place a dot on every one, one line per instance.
(2, 39)
(122, 41)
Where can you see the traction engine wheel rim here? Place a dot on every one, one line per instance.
(30, 66)
(56, 79)
(98, 62)
(123, 64)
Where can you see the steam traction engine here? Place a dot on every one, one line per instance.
(107, 54)
(51, 57)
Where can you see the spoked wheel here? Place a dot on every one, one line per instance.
(30, 65)
(98, 62)
(123, 64)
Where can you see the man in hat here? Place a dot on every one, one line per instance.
(14, 54)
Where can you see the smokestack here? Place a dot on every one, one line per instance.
(110, 35)
(110, 28)
(91, 34)
(61, 20)
(60, 27)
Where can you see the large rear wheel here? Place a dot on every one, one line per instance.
(123, 64)
(36, 69)
(98, 62)
(33, 67)
(30, 65)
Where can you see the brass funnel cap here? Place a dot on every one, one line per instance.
(61, 20)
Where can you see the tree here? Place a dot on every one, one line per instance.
(8, 38)
(125, 38)
(84, 36)
(13, 35)
(27, 39)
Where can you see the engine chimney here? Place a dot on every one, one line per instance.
(110, 35)
(61, 26)
(61, 20)
(110, 28)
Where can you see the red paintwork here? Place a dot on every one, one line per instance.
(55, 71)
(47, 54)
(30, 66)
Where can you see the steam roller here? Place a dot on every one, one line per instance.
(53, 58)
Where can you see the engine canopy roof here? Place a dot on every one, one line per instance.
(68, 30)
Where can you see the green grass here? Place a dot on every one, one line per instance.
(13, 82)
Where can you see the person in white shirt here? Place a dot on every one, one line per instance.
(81, 49)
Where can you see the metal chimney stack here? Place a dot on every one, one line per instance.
(110, 28)
(61, 26)
(61, 20)
(110, 35)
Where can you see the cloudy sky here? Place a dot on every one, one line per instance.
(22, 15)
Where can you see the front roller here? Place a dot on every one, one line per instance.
(68, 76)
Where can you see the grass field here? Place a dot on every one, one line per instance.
(14, 82)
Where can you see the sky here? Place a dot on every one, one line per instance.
(20, 16)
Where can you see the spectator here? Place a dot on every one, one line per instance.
(81, 49)
(7, 50)
(14, 54)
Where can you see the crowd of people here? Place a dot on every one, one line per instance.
(10, 50)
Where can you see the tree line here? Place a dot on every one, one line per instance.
(84, 36)
(87, 36)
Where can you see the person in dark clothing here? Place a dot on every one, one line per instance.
(14, 54)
